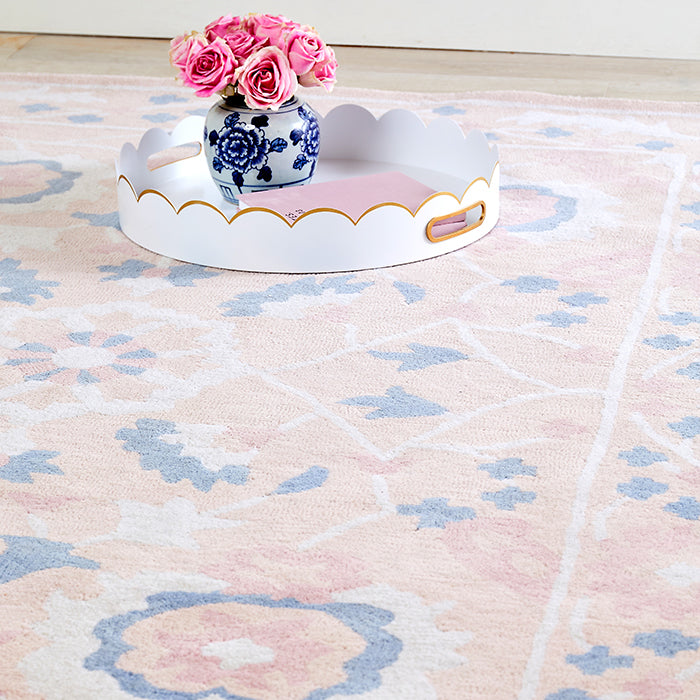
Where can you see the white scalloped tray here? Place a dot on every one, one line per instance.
(176, 210)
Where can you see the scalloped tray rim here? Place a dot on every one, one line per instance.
(165, 136)
(242, 212)
(436, 123)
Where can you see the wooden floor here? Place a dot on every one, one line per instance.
(384, 68)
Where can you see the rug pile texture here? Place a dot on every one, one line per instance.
(476, 476)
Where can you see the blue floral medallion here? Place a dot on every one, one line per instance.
(249, 150)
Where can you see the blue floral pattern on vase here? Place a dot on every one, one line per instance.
(240, 147)
(308, 138)
(249, 150)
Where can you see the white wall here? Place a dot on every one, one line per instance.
(650, 28)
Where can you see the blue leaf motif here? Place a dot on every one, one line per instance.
(666, 643)
(561, 319)
(129, 269)
(185, 275)
(310, 479)
(140, 354)
(508, 468)
(692, 370)
(531, 284)
(642, 488)
(598, 660)
(260, 120)
(641, 456)
(570, 694)
(655, 145)
(680, 318)
(687, 428)
(554, 132)
(448, 110)
(411, 292)
(397, 404)
(583, 299)
(19, 468)
(84, 377)
(38, 107)
(507, 498)
(667, 342)
(166, 99)
(436, 513)
(421, 356)
(278, 145)
(115, 340)
(81, 338)
(110, 219)
(686, 507)
(21, 285)
(34, 347)
(265, 173)
(300, 161)
(693, 208)
(25, 555)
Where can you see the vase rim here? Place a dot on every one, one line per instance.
(237, 103)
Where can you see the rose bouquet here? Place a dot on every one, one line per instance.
(263, 58)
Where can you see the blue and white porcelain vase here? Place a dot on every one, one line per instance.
(248, 150)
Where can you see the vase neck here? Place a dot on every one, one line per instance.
(237, 102)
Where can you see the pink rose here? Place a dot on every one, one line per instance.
(323, 73)
(181, 47)
(272, 27)
(223, 26)
(210, 68)
(304, 49)
(242, 44)
(266, 79)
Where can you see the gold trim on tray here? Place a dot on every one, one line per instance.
(242, 212)
(444, 217)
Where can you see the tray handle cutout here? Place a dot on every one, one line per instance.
(174, 154)
(441, 228)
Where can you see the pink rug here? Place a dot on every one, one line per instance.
(472, 477)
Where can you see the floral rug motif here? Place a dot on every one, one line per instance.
(476, 476)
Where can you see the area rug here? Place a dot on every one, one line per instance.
(475, 476)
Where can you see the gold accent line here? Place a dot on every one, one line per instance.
(242, 212)
(443, 217)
